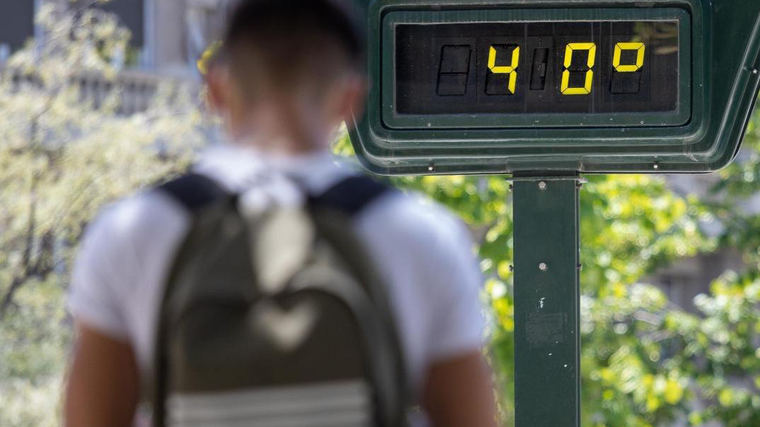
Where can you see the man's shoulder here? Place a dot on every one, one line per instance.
(144, 216)
(414, 217)
(427, 257)
(124, 250)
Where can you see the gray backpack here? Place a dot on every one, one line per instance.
(276, 319)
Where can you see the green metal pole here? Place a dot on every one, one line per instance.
(547, 300)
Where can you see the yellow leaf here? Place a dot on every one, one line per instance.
(607, 375)
(673, 392)
(619, 290)
(653, 403)
(695, 419)
(504, 271)
(648, 380)
(726, 397)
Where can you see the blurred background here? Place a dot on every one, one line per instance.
(99, 99)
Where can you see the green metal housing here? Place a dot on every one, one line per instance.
(723, 56)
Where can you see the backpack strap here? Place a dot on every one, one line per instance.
(193, 191)
(351, 195)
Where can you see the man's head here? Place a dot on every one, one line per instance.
(288, 72)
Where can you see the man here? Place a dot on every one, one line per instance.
(290, 73)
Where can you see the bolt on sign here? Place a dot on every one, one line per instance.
(475, 86)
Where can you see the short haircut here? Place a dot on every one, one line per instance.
(291, 45)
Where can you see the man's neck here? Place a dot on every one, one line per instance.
(281, 146)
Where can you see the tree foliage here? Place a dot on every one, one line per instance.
(64, 154)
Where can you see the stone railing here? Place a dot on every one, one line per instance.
(134, 88)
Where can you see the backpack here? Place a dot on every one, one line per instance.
(276, 319)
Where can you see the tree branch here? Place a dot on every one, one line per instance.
(26, 258)
(7, 300)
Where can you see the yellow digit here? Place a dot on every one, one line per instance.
(510, 69)
(640, 49)
(569, 51)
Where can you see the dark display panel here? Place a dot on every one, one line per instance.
(537, 67)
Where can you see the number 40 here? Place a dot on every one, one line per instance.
(512, 69)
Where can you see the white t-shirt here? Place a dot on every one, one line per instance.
(423, 252)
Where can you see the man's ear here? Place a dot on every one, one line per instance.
(218, 84)
(353, 97)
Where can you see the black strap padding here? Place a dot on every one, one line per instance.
(193, 191)
(351, 195)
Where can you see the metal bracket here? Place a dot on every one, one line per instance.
(547, 178)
